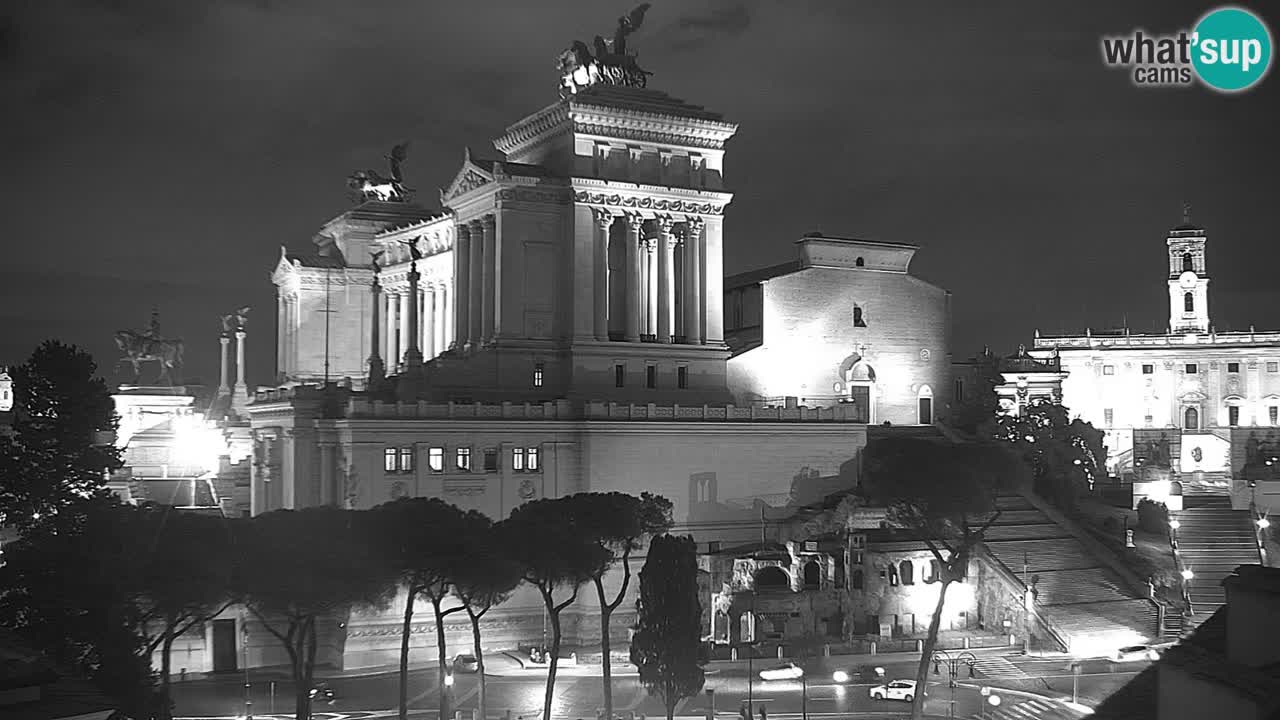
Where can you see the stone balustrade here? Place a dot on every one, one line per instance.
(1135, 341)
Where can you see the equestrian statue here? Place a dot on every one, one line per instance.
(150, 346)
(371, 185)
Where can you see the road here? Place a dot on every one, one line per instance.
(578, 695)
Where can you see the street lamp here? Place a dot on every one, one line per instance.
(953, 663)
(244, 649)
(1187, 574)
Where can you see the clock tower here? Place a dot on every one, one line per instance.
(1188, 278)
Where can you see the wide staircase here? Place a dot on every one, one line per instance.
(1086, 602)
(1213, 541)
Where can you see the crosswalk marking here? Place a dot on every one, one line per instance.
(999, 667)
(1027, 710)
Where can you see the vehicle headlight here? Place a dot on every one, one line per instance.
(840, 676)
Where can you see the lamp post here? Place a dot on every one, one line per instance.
(804, 696)
(953, 663)
(244, 650)
(1263, 523)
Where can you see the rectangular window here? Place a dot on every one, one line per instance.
(682, 377)
(1233, 367)
(650, 376)
(435, 459)
(619, 375)
(1273, 367)
(406, 459)
(491, 460)
(957, 391)
(1148, 369)
(517, 459)
(1192, 369)
(1108, 416)
(537, 375)
(463, 459)
(531, 459)
(1108, 369)
(389, 460)
(1273, 414)
(1233, 415)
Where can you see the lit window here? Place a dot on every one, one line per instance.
(490, 460)
(619, 375)
(650, 376)
(1233, 367)
(1148, 369)
(537, 375)
(406, 459)
(1108, 369)
(682, 377)
(517, 459)
(463, 459)
(1192, 369)
(435, 459)
(531, 459)
(389, 460)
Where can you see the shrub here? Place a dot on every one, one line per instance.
(1153, 517)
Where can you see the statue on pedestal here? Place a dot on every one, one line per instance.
(614, 65)
(150, 346)
(371, 185)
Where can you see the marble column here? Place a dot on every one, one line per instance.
(412, 320)
(223, 387)
(713, 281)
(282, 310)
(393, 324)
(462, 283)
(402, 325)
(489, 298)
(666, 278)
(693, 281)
(475, 302)
(651, 287)
(633, 277)
(240, 395)
(377, 371)
(444, 328)
(430, 348)
(604, 221)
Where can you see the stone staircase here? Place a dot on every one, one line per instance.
(1083, 598)
(1213, 541)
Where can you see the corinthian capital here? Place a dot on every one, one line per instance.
(604, 219)
(665, 225)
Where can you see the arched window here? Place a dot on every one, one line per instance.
(771, 577)
(932, 577)
(1188, 265)
(907, 572)
(1188, 302)
(858, 320)
(855, 581)
(812, 575)
(1191, 419)
(859, 262)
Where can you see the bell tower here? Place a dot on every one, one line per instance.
(1188, 277)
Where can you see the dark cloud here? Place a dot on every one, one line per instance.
(699, 27)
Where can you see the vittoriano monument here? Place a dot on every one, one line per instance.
(369, 185)
(150, 346)
(610, 64)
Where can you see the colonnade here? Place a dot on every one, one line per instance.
(434, 316)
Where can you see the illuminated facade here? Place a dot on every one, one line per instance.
(1211, 399)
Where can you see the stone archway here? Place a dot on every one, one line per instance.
(859, 379)
(772, 578)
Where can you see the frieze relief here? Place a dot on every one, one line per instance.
(624, 132)
(648, 203)
(533, 196)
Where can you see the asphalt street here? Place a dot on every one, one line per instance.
(578, 693)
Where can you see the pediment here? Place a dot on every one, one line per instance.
(1192, 396)
(470, 176)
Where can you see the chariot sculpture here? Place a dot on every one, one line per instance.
(610, 63)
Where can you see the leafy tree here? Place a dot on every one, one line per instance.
(182, 566)
(555, 554)
(1065, 456)
(667, 646)
(485, 580)
(300, 566)
(58, 451)
(427, 545)
(946, 494)
(619, 523)
(65, 587)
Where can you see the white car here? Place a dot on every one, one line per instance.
(895, 690)
(788, 671)
(1134, 653)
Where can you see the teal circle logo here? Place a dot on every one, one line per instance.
(1231, 49)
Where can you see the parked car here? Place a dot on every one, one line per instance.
(895, 690)
(1134, 653)
(466, 664)
(786, 671)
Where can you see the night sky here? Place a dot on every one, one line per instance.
(159, 152)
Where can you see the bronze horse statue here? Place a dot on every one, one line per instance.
(142, 347)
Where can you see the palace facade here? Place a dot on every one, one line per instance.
(1193, 400)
